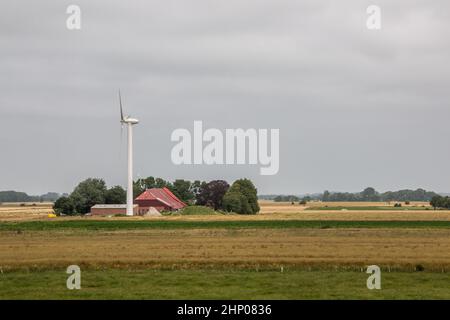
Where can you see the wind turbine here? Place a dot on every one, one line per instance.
(129, 122)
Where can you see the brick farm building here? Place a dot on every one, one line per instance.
(111, 209)
(162, 199)
(151, 200)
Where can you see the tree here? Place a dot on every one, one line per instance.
(369, 194)
(64, 205)
(440, 202)
(149, 182)
(161, 183)
(212, 193)
(232, 202)
(435, 202)
(138, 188)
(116, 195)
(196, 188)
(235, 201)
(182, 189)
(141, 185)
(249, 190)
(88, 193)
(241, 197)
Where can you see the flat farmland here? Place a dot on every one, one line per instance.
(325, 248)
(415, 211)
(352, 211)
(24, 211)
(285, 251)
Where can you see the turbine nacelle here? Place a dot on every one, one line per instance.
(129, 120)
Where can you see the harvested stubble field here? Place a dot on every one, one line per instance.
(324, 248)
(24, 211)
(292, 263)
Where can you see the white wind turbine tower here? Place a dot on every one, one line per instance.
(129, 122)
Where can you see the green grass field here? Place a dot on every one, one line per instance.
(195, 210)
(220, 284)
(272, 224)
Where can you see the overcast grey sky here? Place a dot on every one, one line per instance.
(355, 107)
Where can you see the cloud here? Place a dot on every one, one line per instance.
(354, 107)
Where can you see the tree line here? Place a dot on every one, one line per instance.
(16, 196)
(368, 194)
(241, 197)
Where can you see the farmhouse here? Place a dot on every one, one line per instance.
(150, 202)
(158, 198)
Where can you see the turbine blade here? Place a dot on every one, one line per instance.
(121, 111)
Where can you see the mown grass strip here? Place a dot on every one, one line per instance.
(236, 224)
(221, 284)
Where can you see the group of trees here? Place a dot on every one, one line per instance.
(283, 198)
(439, 202)
(241, 197)
(185, 190)
(370, 194)
(88, 193)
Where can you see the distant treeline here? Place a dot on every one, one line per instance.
(15, 196)
(368, 194)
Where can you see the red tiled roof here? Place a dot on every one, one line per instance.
(163, 195)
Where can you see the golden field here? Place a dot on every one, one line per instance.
(24, 211)
(271, 206)
(393, 248)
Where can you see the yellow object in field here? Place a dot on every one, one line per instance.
(52, 215)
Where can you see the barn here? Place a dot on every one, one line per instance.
(111, 209)
(162, 199)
